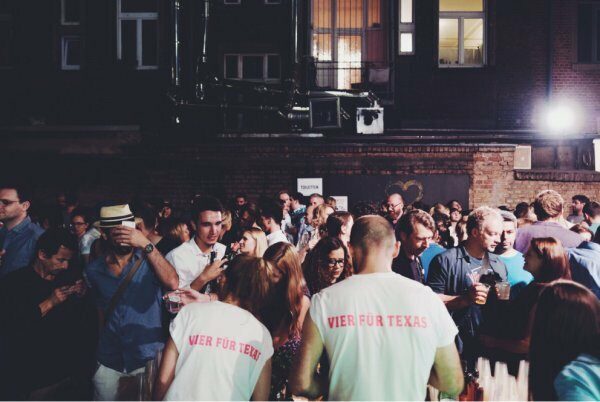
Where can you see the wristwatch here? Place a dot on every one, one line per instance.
(149, 248)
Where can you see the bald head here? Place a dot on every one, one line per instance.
(372, 233)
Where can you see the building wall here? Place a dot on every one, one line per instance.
(261, 169)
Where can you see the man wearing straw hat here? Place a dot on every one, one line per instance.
(127, 281)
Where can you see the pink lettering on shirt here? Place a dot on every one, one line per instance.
(225, 344)
(377, 320)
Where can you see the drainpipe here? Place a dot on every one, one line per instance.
(202, 59)
(176, 62)
(549, 79)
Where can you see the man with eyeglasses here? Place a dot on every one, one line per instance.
(395, 208)
(18, 234)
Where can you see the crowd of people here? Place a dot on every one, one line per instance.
(291, 297)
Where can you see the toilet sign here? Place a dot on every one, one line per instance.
(310, 186)
(341, 202)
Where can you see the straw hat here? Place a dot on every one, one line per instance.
(114, 215)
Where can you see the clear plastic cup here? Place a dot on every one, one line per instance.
(503, 289)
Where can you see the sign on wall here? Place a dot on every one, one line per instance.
(308, 186)
(341, 202)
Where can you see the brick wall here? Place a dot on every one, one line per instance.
(179, 172)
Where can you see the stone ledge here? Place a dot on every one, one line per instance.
(559, 176)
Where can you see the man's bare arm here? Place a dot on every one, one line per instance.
(303, 380)
(446, 373)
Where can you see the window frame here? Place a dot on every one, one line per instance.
(139, 18)
(63, 22)
(240, 66)
(461, 16)
(64, 54)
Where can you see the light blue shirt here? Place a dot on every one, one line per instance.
(517, 276)
(579, 380)
(19, 244)
(585, 265)
(428, 255)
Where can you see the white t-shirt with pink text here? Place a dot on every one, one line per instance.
(381, 332)
(222, 351)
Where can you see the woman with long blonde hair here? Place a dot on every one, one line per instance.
(253, 242)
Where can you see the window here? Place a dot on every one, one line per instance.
(588, 32)
(461, 33)
(71, 52)
(253, 67)
(272, 1)
(232, 1)
(349, 42)
(70, 12)
(406, 28)
(137, 33)
(6, 41)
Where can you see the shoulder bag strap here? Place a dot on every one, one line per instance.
(121, 290)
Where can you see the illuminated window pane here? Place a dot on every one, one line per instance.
(374, 11)
(406, 12)
(349, 14)
(448, 41)
(406, 42)
(321, 13)
(349, 61)
(473, 33)
(461, 5)
(322, 47)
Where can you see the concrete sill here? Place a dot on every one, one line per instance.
(558, 176)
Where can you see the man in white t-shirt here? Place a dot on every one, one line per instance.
(198, 261)
(271, 216)
(395, 330)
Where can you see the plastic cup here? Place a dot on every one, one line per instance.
(487, 289)
(503, 289)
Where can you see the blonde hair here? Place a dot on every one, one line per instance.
(227, 222)
(260, 239)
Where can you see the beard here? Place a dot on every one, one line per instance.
(122, 250)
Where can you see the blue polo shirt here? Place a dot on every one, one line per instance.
(133, 334)
(19, 244)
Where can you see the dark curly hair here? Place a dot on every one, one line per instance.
(316, 268)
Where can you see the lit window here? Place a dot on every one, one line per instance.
(461, 40)
(253, 67)
(588, 33)
(137, 33)
(349, 40)
(70, 12)
(6, 41)
(71, 53)
(406, 27)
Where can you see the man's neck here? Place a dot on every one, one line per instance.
(39, 269)
(372, 264)
(508, 252)
(556, 219)
(474, 249)
(407, 254)
(11, 223)
(274, 229)
(205, 248)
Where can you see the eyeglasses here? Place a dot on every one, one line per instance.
(333, 262)
(7, 202)
(392, 206)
